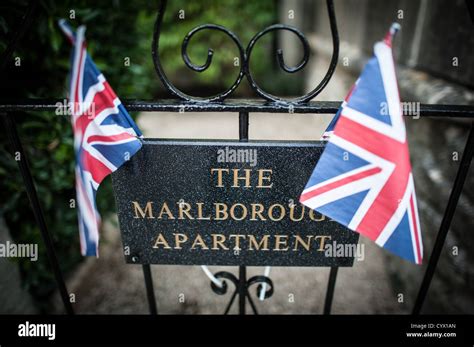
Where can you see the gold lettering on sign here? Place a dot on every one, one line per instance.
(292, 213)
(220, 184)
(253, 244)
(165, 209)
(311, 215)
(238, 178)
(267, 242)
(237, 240)
(221, 209)
(160, 240)
(218, 239)
(299, 240)
(244, 211)
(282, 212)
(228, 239)
(281, 240)
(322, 243)
(138, 210)
(199, 241)
(179, 239)
(184, 208)
(257, 210)
(261, 178)
(200, 217)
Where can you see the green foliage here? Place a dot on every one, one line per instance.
(116, 30)
(47, 137)
(49, 152)
(244, 18)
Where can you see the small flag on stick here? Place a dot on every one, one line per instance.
(363, 179)
(105, 136)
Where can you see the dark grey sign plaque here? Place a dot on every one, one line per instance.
(225, 203)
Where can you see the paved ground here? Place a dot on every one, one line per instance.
(108, 285)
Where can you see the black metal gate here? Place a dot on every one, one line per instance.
(221, 103)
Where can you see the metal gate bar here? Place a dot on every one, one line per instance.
(30, 187)
(150, 291)
(330, 290)
(243, 289)
(235, 105)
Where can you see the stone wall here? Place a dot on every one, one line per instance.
(434, 53)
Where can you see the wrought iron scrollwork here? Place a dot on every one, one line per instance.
(227, 276)
(280, 59)
(245, 59)
(159, 69)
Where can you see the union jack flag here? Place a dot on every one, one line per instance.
(363, 179)
(105, 135)
(330, 129)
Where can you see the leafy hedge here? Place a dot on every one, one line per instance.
(47, 138)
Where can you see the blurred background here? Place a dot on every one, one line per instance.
(434, 55)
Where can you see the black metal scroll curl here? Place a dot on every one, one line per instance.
(280, 59)
(227, 276)
(245, 59)
(159, 69)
